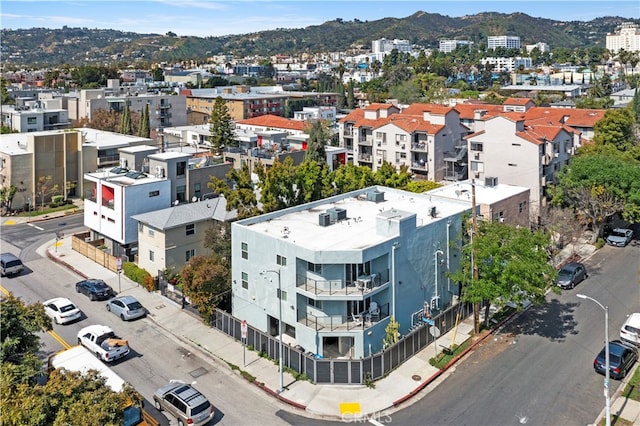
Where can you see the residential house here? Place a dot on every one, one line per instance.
(169, 237)
(35, 116)
(335, 271)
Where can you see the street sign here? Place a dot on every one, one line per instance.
(119, 264)
(243, 329)
(434, 331)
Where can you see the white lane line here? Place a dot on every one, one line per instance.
(37, 227)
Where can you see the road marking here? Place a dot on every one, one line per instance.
(10, 222)
(375, 422)
(5, 291)
(349, 407)
(37, 227)
(59, 339)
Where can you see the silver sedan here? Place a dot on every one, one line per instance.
(126, 307)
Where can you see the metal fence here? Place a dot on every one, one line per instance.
(343, 371)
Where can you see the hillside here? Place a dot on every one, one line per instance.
(75, 46)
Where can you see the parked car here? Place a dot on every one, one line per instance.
(630, 330)
(572, 274)
(185, 403)
(95, 289)
(126, 307)
(10, 264)
(622, 356)
(61, 310)
(619, 237)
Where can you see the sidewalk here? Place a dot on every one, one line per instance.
(408, 383)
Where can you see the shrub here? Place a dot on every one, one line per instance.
(139, 275)
(600, 243)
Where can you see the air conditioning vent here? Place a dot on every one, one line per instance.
(490, 182)
(324, 219)
(375, 196)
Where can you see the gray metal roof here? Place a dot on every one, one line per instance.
(184, 214)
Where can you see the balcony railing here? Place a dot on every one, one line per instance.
(329, 323)
(419, 165)
(365, 157)
(368, 141)
(108, 159)
(419, 147)
(362, 286)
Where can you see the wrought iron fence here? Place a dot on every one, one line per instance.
(343, 371)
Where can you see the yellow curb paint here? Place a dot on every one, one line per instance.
(59, 339)
(4, 291)
(9, 222)
(349, 407)
(59, 243)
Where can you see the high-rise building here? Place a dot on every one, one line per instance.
(510, 42)
(448, 46)
(627, 37)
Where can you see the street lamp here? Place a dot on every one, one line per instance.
(277, 272)
(607, 399)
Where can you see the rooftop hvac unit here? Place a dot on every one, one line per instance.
(490, 182)
(336, 214)
(375, 196)
(324, 219)
(123, 163)
(159, 171)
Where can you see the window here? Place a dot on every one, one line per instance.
(191, 229)
(400, 138)
(522, 206)
(314, 268)
(282, 295)
(181, 167)
(245, 250)
(189, 254)
(477, 166)
(314, 303)
(197, 192)
(154, 194)
(150, 232)
(475, 146)
(151, 256)
(32, 120)
(281, 260)
(181, 193)
(245, 280)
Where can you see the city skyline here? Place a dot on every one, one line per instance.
(204, 18)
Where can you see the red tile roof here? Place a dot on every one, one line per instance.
(274, 121)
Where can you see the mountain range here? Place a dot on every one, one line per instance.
(38, 47)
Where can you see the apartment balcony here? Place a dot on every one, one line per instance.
(368, 141)
(108, 159)
(366, 158)
(419, 165)
(420, 147)
(364, 286)
(355, 322)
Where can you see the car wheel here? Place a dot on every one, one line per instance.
(92, 297)
(98, 356)
(108, 307)
(57, 321)
(158, 405)
(572, 285)
(79, 341)
(77, 289)
(180, 422)
(122, 317)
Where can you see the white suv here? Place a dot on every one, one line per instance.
(185, 403)
(630, 330)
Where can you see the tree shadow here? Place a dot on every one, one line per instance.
(553, 320)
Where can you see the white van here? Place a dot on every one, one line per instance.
(10, 264)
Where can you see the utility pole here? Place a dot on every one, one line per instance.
(474, 231)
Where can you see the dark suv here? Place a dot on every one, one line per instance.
(185, 403)
(96, 289)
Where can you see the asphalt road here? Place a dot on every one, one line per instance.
(538, 370)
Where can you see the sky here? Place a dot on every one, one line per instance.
(229, 17)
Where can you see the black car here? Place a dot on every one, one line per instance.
(96, 289)
(622, 356)
(572, 274)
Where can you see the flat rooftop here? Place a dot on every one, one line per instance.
(301, 225)
(484, 194)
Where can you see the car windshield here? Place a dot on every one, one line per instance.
(618, 233)
(134, 306)
(67, 308)
(99, 285)
(564, 273)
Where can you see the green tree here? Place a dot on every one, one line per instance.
(598, 186)
(319, 136)
(277, 185)
(350, 177)
(616, 128)
(221, 127)
(206, 280)
(144, 127)
(45, 188)
(217, 238)
(125, 121)
(312, 182)
(239, 191)
(420, 186)
(392, 333)
(387, 175)
(513, 265)
(351, 101)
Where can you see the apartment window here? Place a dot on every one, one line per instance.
(181, 193)
(154, 193)
(315, 303)
(314, 268)
(522, 206)
(32, 120)
(245, 250)
(475, 146)
(151, 233)
(191, 229)
(151, 256)
(189, 254)
(281, 260)
(245, 280)
(197, 192)
(477, 166)
(400, 138)
(181, 168)
(282, 295)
